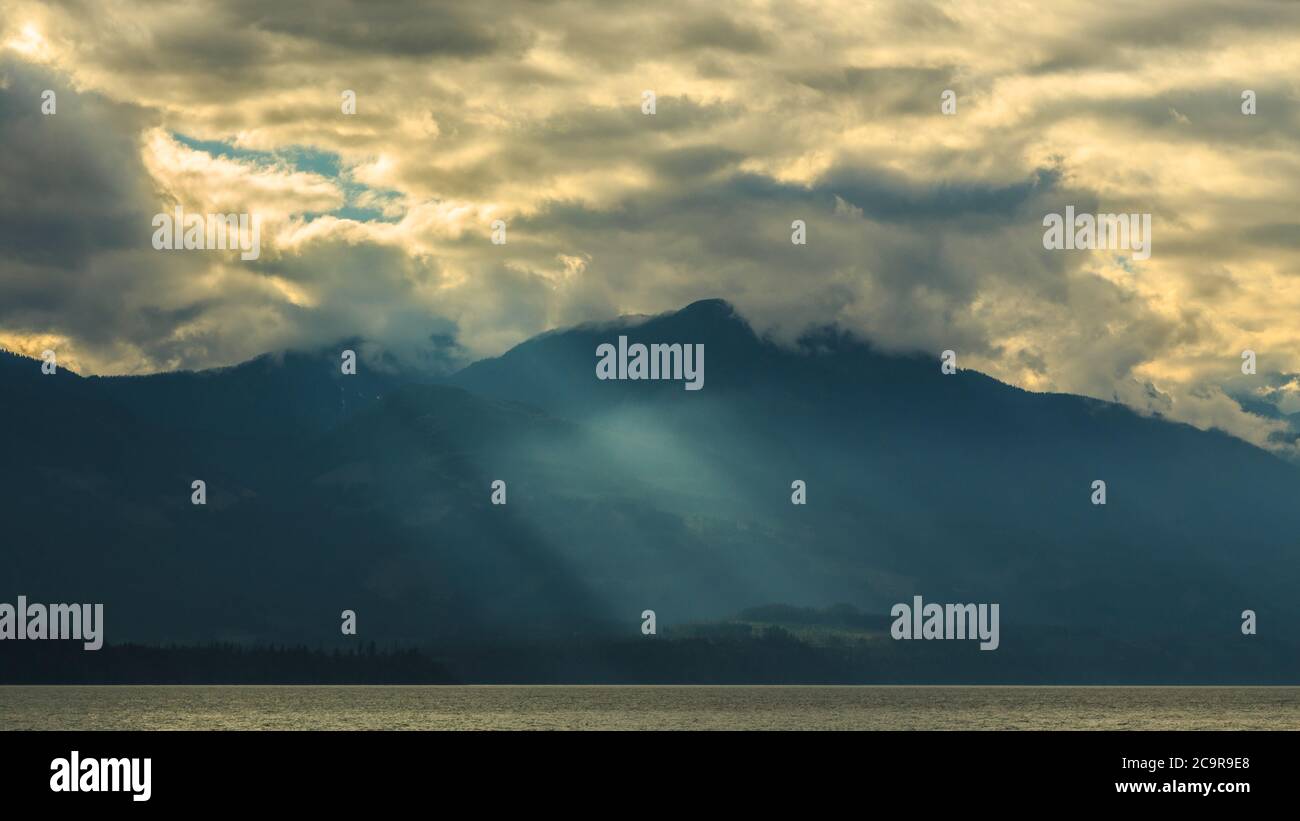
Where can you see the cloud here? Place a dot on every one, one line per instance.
(924, 229)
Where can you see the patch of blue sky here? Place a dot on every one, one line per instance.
(312, 161)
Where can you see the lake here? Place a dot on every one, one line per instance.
(510, 707)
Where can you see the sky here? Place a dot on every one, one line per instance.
(924, 229)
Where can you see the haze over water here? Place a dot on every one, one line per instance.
(510, 707)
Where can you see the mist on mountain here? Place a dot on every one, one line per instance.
(373, 492)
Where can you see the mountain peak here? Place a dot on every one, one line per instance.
(714, 307)
(708, 320)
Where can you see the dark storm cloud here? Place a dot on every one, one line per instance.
(878, 91)
(74, 185)
(693, 162)
(732, 235)
(412, 30)
(1128, 36)
(887, 196)
(573, 141)
(924, 230)
(723, 33)
(77, 209)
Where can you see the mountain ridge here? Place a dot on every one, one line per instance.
(624, 496)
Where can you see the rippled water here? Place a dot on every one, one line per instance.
(611, 708)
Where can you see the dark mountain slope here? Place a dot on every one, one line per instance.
(374, 495)
(956, 486)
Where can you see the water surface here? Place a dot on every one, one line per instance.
(651, 707)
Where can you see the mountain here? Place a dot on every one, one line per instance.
(373, 493)
(249, 413)
(957, 486)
